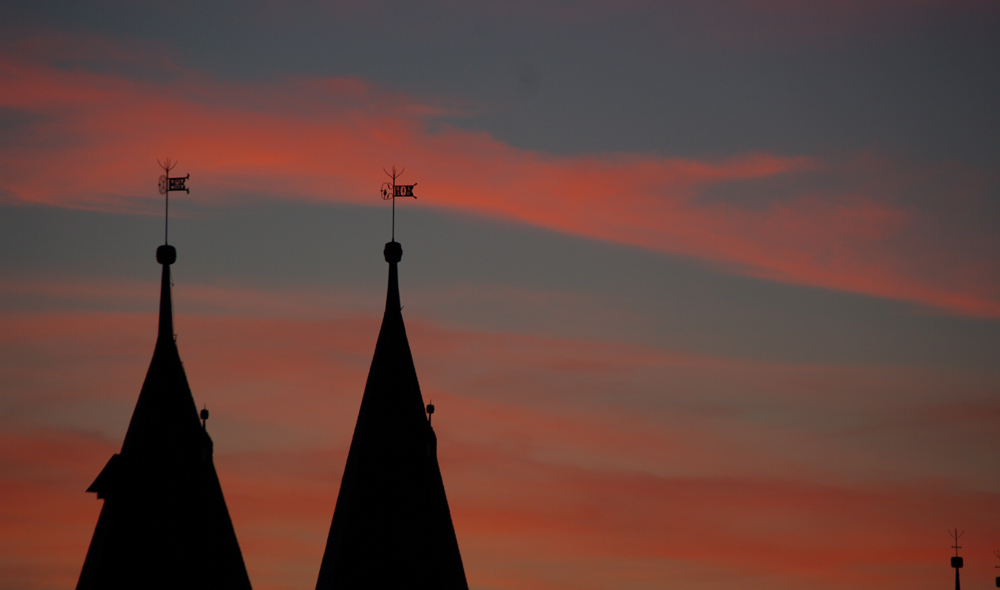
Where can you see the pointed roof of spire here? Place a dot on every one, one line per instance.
(164, 523)
(392, 527)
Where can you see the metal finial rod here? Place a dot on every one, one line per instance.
(168, 184)
(391, 190)
(167, 166)
(955, 535)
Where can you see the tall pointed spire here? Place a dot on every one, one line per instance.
(391, 527)
(164, 524)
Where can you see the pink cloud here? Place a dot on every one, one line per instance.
(515, 514)
(276, 384)
(95, 137)
(547, 490)
(44, 513)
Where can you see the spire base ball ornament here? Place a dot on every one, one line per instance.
(166, 255)
(393, 252)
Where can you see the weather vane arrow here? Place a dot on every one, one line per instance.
(391, 190)
(168, 185)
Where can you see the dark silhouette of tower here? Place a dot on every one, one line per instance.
(164, 524)
(391, 527)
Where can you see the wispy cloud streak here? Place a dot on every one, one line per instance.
(85, 138)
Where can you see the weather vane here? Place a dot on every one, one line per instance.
(167, 185)
(391, 190)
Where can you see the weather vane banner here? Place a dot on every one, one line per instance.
(168, 184)
(403, 190)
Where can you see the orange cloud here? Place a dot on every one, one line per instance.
(278, 384)
(44, 514)
(90, 140)
(548, 488)
(523, 521)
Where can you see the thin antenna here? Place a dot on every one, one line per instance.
(391, 190)
(166, 185)
(955, 535)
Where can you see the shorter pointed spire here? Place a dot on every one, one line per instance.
(391, 525)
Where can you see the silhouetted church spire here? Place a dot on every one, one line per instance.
(391, 527)
(164, 524)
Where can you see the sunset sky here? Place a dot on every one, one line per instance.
(706, 292)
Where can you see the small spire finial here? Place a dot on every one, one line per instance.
(391, 190)
(955, 535)
(430, 411)
(204, 417)
(956, 562)
(167, 185)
